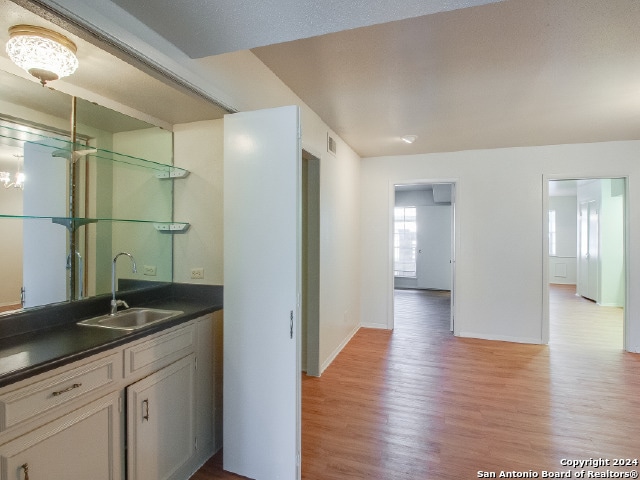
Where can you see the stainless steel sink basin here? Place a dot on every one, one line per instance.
(131, 319)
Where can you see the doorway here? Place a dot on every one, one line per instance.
(423, 240)
(587, 259)
(310, 309)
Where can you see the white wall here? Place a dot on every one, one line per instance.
(198, 147)
(562, 265)
(499, 221)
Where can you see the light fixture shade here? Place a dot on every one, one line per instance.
(20, 177)
(5, 180)
(45, 54)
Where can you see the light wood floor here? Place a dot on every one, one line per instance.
(418, 403)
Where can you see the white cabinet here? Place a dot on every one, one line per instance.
(83, 444)
(68, 423)
(160, 422)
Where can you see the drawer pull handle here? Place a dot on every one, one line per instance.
(25, 469)
(68, 389)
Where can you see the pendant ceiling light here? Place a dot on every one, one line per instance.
(45, 54)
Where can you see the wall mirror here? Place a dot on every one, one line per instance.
(120, 189)
(50, 252)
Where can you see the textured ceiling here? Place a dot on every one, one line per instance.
(515, 73)
(203, 28)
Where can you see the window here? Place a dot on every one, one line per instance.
(552, 232)
(404, 242)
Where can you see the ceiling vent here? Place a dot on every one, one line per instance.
(331, 144)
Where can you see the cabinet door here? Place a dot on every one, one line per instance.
(160, 422)
(205, 385)
(84, 444)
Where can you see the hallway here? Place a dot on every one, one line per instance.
(419, 403)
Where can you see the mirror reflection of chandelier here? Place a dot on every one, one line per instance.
(17, 181)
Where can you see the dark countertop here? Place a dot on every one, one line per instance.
(37, 340)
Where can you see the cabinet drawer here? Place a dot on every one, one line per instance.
(40, 397)
(149, 356)
(84, 444)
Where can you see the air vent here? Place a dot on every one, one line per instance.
(331, 144)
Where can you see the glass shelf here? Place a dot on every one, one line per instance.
(63, 149)
(73, 223)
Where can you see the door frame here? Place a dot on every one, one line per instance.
(455, 242)
(545, 327)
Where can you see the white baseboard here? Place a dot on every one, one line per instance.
(379, 326)
(501, 338)
(335, 353)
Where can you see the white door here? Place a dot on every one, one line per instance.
(589, 250)
(45, 243)
(262, 163)
(434, 247)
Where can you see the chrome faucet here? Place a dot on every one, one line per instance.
(118, 303)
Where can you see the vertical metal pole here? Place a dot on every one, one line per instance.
(73, 237)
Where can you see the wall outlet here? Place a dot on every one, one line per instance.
(149, 270)
(197, 273)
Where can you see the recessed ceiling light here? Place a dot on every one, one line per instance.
(409, 138)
